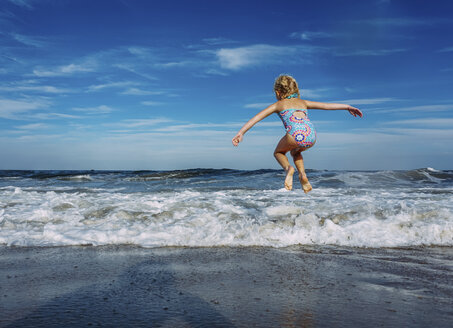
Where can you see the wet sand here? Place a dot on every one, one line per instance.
(119, 286)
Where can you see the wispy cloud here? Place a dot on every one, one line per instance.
(212, 71)
(425, 122)
(164, 126)
(53, 116)
(144, 52)
(210, 42)
(109, 85)
(141, 92)
(34, 41)
(198, 127)
(102, 109)
(218, 41)
(365, 101)
(422, 108)
(69, 69)
(11, 108)
(10, 58)
(6, 17)
(39, 137)
(152, 103)
(433, 133)
(260, 54)
(447, 49)
(369, 52)
(310, 35)
(35, 88)
(33, 126)
(257, 105)
(312, 93)
(182, 63)
(140, 123)
(135, 68)
(23, 3)
(254, 55)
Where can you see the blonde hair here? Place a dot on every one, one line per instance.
(286, 85)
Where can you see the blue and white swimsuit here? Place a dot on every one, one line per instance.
(300, 128)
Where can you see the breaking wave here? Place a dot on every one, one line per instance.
(225, 207)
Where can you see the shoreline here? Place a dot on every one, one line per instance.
(299, 286)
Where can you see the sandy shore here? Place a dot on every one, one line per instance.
(225, 287)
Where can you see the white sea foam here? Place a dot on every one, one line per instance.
(369, 218)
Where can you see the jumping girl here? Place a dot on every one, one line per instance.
(300, 133)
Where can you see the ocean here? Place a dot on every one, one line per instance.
(224, 207)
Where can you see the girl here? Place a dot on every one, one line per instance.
(300, 133)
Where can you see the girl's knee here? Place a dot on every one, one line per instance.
(279, 156)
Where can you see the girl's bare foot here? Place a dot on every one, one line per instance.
(289, 178)
(306, 186)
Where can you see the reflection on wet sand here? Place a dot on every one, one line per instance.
(225, 287)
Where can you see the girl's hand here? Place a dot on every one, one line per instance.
(237, 139)
(355, 111)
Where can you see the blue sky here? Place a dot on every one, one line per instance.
(126, 84)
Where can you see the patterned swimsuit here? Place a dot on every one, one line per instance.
(301, 129)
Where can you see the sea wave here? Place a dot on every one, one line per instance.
(420, 175)
(236, 217)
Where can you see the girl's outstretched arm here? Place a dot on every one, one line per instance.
(331, 106)
(255, 119)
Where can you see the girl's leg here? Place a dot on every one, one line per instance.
(285, 144)
(299, 162)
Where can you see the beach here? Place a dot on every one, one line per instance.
(298, 286)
